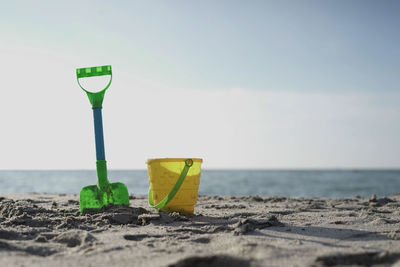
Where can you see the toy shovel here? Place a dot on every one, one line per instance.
(104, 193)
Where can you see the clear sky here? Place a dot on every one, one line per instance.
(241, 84)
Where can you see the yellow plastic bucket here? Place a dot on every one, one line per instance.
(174, 184)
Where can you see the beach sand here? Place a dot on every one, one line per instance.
(48, 230)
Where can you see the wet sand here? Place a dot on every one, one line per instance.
(48, 230)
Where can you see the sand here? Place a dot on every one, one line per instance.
(48, 230)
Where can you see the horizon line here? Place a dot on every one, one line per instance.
(238, 169)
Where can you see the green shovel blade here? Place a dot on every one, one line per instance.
(92, 197)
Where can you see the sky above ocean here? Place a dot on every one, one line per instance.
(241, 84)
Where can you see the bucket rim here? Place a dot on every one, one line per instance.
(149, 161)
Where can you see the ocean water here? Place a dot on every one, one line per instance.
(292, 183)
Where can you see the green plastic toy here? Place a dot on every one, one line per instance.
(104, 193)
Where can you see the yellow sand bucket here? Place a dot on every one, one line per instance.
(174, 184)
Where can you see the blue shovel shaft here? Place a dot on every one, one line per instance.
(98, 133)
(101, 164)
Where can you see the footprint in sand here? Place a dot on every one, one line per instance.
(212, 261)
(74, 238)
(202, 240)
(359, 259)
(9, 235)
(32, 250)
(140, 237)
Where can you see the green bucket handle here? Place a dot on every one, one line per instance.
(174, 190)
(95, 98)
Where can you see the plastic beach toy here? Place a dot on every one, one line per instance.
(174, 184)
(104, 193)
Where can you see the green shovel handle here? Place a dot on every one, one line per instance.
(174, 190)
(95, 98)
